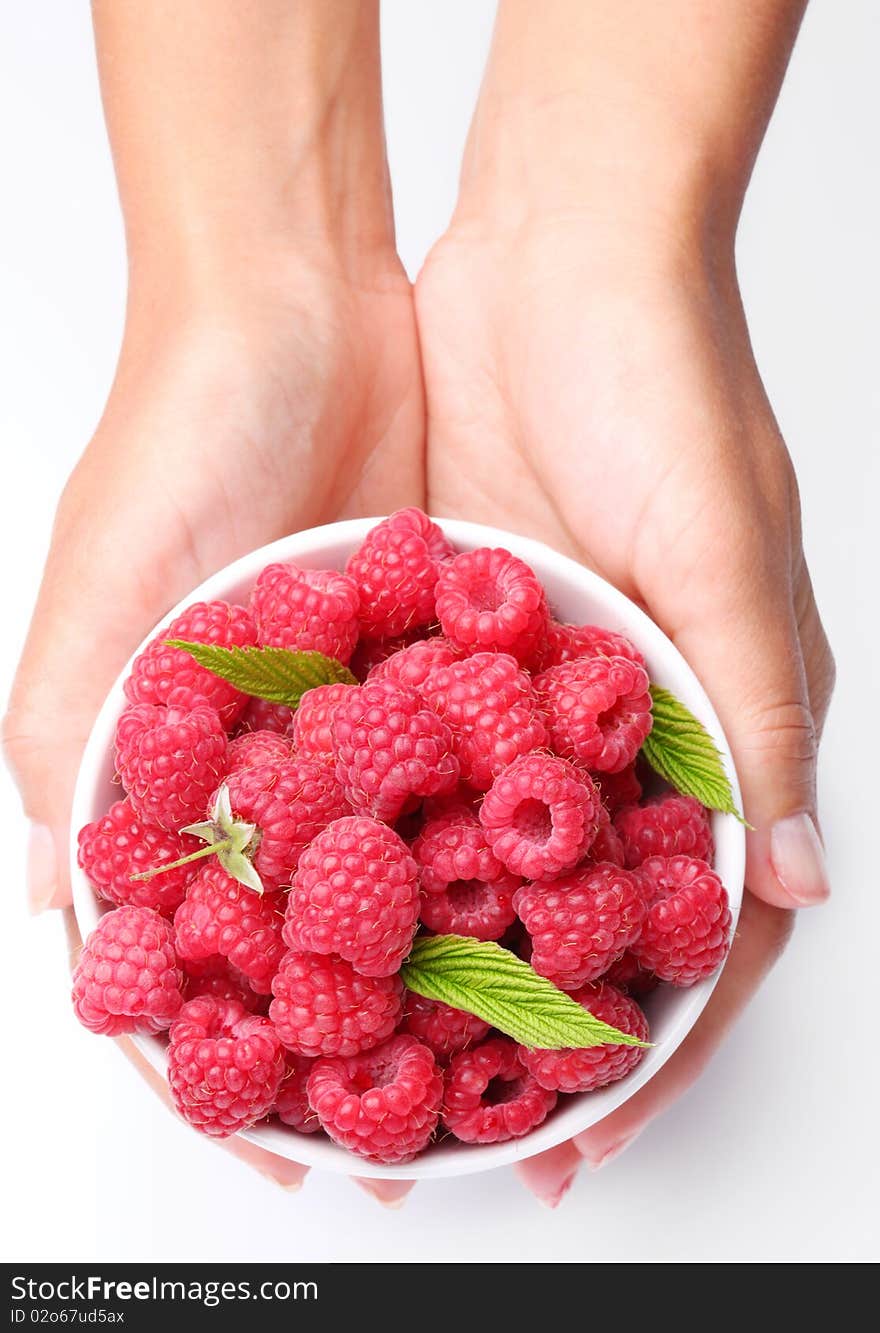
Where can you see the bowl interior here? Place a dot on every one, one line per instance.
(575, 595)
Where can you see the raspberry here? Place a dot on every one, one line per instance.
(219, 915)
(472, 907)
(391, 751)
(540, 816)
(565, 643)
(252, 749)
(598, 710)
(127, 978)
(312, 737)
(323, 1007)
(581, 923)
(627, 974)
(170, 758)
(594, 1066)
(292, 1103)
(214, 976)
(159, 669)
(619, 789)
(686, 932)
(395, 570)
(313, 610)
(355, 893)
(370, 653)
(412, 664)
(263, 715)
(491, 599)
(606, 846)
(382, 1104)
(224, 1066)
(452, 846)
(671, 825)
(490, 1096)
(444, 1029)
(114, 849)
(488, 704)
(289, 803)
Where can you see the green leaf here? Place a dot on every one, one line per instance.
(277, 674)
(484, 979)
(681, 750)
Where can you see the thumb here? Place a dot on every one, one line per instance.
(87, 619)
(742, 640)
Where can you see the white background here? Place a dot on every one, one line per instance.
(774, 1155)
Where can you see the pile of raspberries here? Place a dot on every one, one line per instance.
(481, 780)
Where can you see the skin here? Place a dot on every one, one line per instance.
(574, 364)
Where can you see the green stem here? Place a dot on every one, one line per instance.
(211, 850)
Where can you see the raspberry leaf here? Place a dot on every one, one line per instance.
(681, 750)
(484, 979)
(278, 674)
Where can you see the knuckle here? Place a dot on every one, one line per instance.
(785, 728)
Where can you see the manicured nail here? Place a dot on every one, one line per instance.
(42, 868)
(798, 859)
(555, 1199)
(604, 1156)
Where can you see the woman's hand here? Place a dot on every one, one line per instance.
(269, 377)
(593, 385)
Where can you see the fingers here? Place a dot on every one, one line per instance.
(390, 1193)
(91, 611)
(739, 631)
(762, 934)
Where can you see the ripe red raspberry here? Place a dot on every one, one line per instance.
(565, 643)
(311, 732)
(215, 976)
(312, 610)
(220, 915)
(444, 1029)
(453, 846)
(598, 710)
(391, 750)
(224, 1066)
(127, 978)
(686, 934)
(540, 816)
(488, 704)
(289, 803)
(490, 1095)
(395, 570)
(159, 669)
(120, 845)
(491, 599)
(170, 758)
(627, 974)
(581, 923)
(593, 1066)
(292, 1103)
(412, 665)
(370, 653)
(619, 789)
(323, 1007)
(382, 1104)
(252, 749)
(355, 893)
(263, 715)
(670, 825)
(472, 907)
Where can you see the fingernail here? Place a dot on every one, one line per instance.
(555, 1199)
(798, 859)
(289, 1186)
(603, 1157)
(42, 868)
(390, 1193)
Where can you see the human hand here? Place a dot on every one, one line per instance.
(269, 376)
(590, 382)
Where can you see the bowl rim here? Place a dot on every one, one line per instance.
(667, 665)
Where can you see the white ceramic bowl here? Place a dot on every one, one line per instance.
(576, 595)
